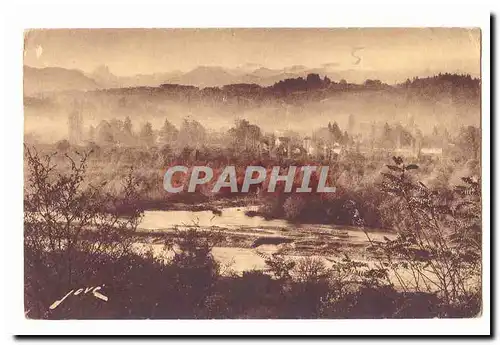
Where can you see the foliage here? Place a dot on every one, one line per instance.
(79, 234)
(438, 245)
(64, 217)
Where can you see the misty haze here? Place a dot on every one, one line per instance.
(393, 113)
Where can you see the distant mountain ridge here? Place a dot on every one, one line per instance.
(56, 79)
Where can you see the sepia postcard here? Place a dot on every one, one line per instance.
(253, 173)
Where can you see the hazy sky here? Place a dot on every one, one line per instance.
(145, 51)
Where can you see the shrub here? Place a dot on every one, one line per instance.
(438, 245)
(293, 206)
(310, 269)
(195, 272)
(69, 228)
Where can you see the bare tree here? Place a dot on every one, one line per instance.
(69, 225)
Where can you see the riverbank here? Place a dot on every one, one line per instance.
(198, 204)
(244, 238)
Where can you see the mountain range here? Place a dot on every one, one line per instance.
(56, 79)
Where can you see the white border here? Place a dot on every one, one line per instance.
(225, 14)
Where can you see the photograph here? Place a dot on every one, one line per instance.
(253, 173)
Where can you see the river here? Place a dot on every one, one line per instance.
(325, 242)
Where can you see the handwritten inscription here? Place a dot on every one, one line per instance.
(86, 290)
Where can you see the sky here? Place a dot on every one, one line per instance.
(146, 51)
